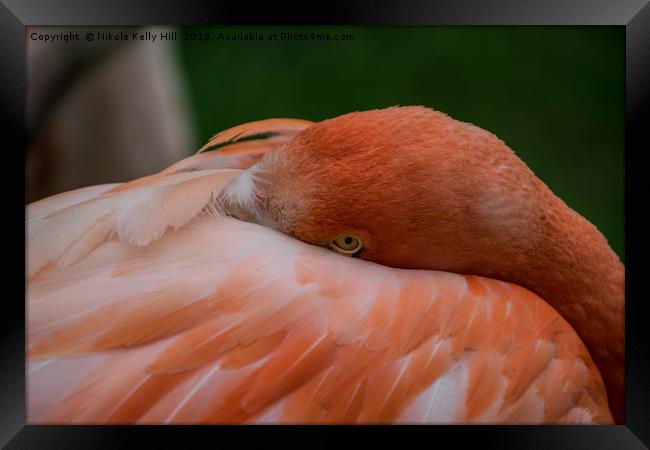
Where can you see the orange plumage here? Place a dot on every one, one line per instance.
(148, 303)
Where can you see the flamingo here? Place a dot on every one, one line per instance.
(385, 266)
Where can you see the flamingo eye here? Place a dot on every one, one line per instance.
(346, 245)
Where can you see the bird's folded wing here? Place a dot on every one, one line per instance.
(242, 146)
(141, 211)
(136, 215)
(219, 320)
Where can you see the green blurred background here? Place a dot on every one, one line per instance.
(555, 95)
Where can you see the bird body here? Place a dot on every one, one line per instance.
(147, 303)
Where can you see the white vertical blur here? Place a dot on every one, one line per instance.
(122, 115)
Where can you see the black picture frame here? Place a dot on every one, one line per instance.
(634, 15)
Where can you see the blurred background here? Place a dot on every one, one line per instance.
(113, 110)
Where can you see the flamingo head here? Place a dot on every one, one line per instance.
(403, 186)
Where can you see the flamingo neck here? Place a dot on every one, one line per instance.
(573, 268)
